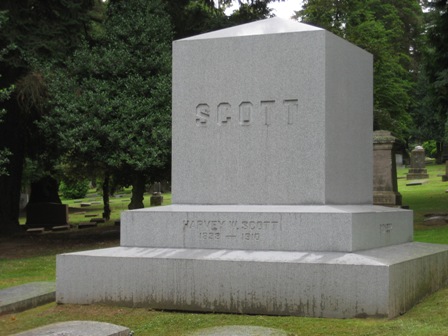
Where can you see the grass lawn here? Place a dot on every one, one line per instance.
(429, 198)
(32, 258)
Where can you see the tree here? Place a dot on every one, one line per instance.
(37, 31)
(111, 103)
(390, 30)
(192, 17)
(4, 95)
(436, 64)
(250, 10)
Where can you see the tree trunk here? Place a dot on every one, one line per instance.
(107, 211)
(9, 203)
(138, 189)
(11, 137)
(439, 152)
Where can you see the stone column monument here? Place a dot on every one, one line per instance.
(417, 170)
(385, 188)
(272, 191)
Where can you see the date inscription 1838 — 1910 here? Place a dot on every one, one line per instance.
(246, 112)
(231, 229)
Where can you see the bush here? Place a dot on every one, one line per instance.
(430, 148)
(72, 189)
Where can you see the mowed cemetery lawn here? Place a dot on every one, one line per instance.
(27, 258)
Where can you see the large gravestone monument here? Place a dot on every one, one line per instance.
(272, 191)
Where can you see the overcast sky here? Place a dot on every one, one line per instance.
(284, 9)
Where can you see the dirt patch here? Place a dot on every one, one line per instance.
(25, 245)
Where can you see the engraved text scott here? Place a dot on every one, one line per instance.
(246, 112)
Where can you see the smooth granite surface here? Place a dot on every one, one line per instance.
(30, 295)
(278, 118)
(78, 328)
(243, 330)
(378, 282)
(285, 228)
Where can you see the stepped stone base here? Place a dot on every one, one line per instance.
(417, 174)
(387, 198)
(333, 228)
(380, 282)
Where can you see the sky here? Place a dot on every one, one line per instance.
(284, 9)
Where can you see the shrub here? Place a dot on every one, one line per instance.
(430, 148)
(72, 189)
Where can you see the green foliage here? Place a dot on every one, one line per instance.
(192, 17)
(35, 33)
(4, 95)
(249, 11)
(430, 147)
(390, 30)
(112, 102)
(45, 30)
(430, 111)
(72, 188)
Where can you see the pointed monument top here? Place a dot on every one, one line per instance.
(263, 27)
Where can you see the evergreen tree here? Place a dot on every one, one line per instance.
(431, 106)
(36, 31)
(111, 105)
(437, 57)
(390, 30)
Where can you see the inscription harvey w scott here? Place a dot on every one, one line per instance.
(244, 230)
(231, 229)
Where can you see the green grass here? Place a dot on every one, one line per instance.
(118, 203)
(427, 318)
(428, 198)
(18, 272)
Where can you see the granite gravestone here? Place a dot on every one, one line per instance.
(46, 215)
(385, 188)
(417, 170)
(445, 177)
(272, 191)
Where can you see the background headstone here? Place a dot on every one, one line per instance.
(46, 215)
(445, 177)
(417, 170)
(156, 197)
(399, 159)
(385, 188)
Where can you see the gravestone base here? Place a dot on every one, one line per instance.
(267, 227)
(387, 198)
(417, 174)
(383, 282)
(156, 199)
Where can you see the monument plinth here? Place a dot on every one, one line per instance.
(272, 191)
